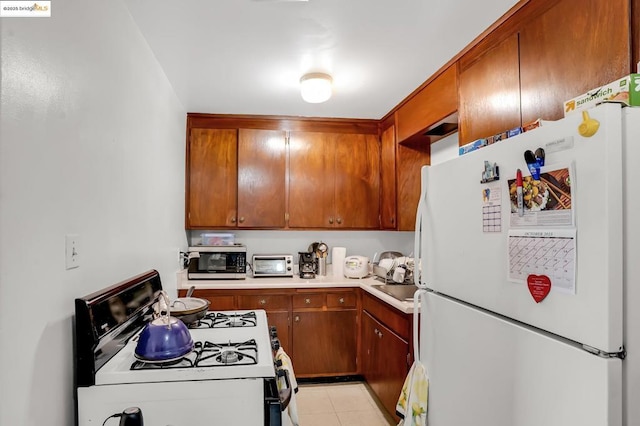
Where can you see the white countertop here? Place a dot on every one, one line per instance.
(327, 281)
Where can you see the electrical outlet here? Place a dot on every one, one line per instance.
(72, 251)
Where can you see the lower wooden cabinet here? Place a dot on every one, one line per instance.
(217, 301)
(318, 328)
(280, 320)
(385, 352)
(325, 332)
(324, 343)
(385, 361)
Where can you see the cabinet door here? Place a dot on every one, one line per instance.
(489, 92)
(410, 160)
(570, 49)
(311, 180)
(432, 103)
(388, 179)
(261, 178)
(357, 181)
(324, 343)
(369, 346)
(389, 363)
(212, 178)
(280, 320)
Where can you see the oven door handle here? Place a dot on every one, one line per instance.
(285, 393)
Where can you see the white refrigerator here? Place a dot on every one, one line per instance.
(495, 354)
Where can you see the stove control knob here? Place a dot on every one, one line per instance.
(275, 344)
(278, 363)
(273, 331)
(131, 416)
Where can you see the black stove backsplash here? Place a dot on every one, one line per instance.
(106, 320)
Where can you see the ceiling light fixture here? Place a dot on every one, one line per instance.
(315, 87)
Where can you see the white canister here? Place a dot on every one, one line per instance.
(338, 255)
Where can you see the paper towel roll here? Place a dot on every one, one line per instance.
(337, 261)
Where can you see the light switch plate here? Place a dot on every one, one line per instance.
(72, 251)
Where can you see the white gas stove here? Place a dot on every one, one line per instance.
(228, 378)
(219, 353)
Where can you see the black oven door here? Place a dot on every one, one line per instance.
(272, 407)
(276, 401)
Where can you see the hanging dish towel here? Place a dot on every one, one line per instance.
(412, 404)
(288, 366)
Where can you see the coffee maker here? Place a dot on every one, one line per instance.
(307, 264)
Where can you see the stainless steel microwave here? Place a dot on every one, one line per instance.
(272, 265)
(218, 262)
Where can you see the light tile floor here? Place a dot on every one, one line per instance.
(339, 404)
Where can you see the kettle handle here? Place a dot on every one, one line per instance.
(163, 296)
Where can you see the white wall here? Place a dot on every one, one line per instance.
(91, 143)
(445, 149)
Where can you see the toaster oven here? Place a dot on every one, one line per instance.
(272, 265)
(217, 262)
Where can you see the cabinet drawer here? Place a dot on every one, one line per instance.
(341, 300)
(267, 302)
(218, 302)
(308, 301)
(400, 323)
(221, 303)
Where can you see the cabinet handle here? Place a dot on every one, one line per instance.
(307, 301)
(263, 301)
(233, 220)
(380, 334)
(296, 318)
(393, 220)
(341, 300)
(331, 221)
(339, 220)
(375, 330)
(241, 219)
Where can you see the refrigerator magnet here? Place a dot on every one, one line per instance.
(539, 286)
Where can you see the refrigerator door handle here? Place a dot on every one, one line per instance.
(417, 250)
(622, 354)
(416, 321)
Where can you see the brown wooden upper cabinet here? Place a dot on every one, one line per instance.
(546, 53)
(236, 179)
(435, 101)
(388, 198)
(575, 46)
(212, 158)
(489, 94)
(410, 160)
(334, 180)
(261, 178)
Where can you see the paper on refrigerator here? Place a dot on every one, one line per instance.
(548, 201)
(549, 252)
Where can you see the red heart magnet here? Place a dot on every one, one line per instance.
(539, 286)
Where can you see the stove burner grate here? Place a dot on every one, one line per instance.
(187, 361)
(221, 354)
(227, 320)
(209, 354)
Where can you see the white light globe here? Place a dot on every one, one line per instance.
(315, 87)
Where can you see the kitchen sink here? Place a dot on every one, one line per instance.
(402, 292)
